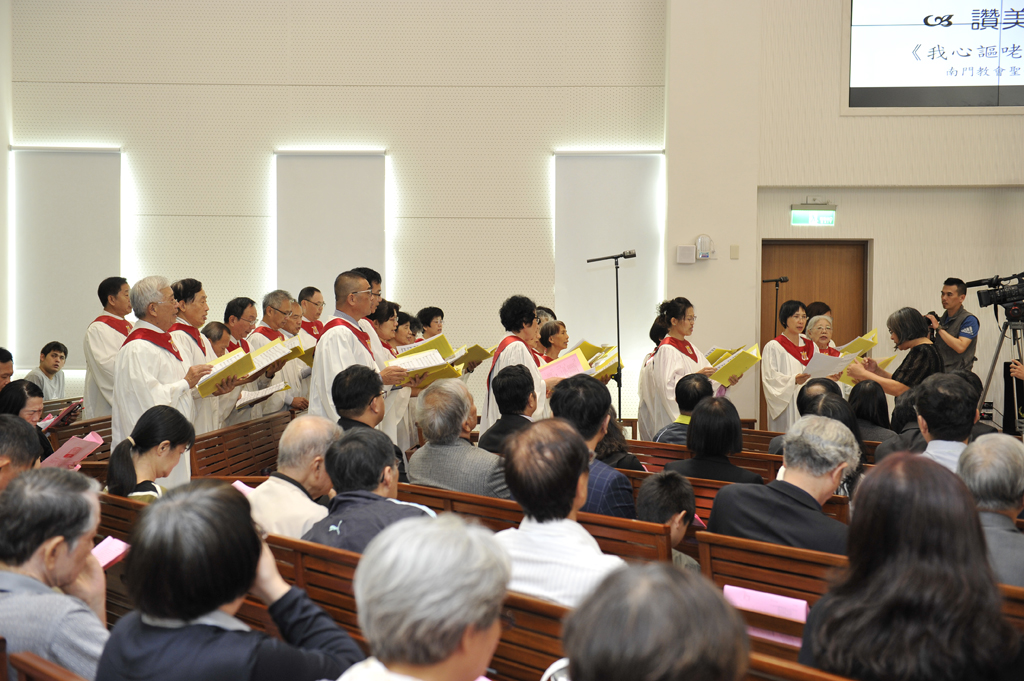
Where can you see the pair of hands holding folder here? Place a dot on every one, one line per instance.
(710, 371)
(195, 373)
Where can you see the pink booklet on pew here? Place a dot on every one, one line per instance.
(73, 451)
(769, 604)
(110, 551)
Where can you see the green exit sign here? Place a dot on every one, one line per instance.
(812, 216)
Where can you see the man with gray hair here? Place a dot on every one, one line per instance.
(149, 369)
(447, 415)
(817, 452)
(429, 595)
(52, 589)
(992, 467)
(277, 305)
(286, 503)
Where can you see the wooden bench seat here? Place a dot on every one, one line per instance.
(769, 668)
(244, 449)
(759, 440)
(31, 667)
(655, 455)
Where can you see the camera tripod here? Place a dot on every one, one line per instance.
(1013, 420)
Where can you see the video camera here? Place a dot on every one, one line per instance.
(1011, 297)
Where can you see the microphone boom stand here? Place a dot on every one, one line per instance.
(618, 330)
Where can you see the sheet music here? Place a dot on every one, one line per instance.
(247, 398)
(420, 361)
(822, 365)
(402, 348)
(293, 342)
(454, 359)
(220, 366)
(269, 356)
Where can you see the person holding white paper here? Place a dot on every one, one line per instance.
(344, 343)
(674, 358)
(519, 318)
(103, 339)
(195, 348)
(908, 329)
(782, 366)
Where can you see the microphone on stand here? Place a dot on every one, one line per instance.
(624, 254)
(782, 280)
(618, 331)
(776, 281)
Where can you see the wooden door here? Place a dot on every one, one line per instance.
(834, 272)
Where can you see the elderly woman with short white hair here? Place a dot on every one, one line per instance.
(819, 330)
(429, 594)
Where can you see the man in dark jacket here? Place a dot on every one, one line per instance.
(513, 391)
(364, 471)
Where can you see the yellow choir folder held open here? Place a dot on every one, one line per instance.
(737, 365)
(882, 364)
(716, 354)
(468, 355)
(858, 346)
(236, 363)
(438, 342)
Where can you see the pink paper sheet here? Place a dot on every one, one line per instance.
(242, 487)
(110, 551)
(563, 367)
(73, 451)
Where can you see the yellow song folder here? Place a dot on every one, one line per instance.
(468, 355)
(715, 355)
(858, 346)
(882, 364)
(438, 342)
(737, 365)
(430, 365)
(588, 349)
(236, 363)
(607, 366)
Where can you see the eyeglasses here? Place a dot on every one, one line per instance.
(691, 319)
(276, 310)
(318, 306)
(250, 322)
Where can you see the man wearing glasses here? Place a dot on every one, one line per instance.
(344, 343)
(312, 303)
(277, 305)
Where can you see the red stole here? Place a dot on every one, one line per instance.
(157, 338)
(363, 337)
(314, 329)
(244, 344)
(509, 340)
(192, 332)
(830, 351)
(682, 346)
(801, 354)
(269, 333)
(122, 326)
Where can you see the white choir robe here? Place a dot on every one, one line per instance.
(337, 349)
(515, 353)
(396, 402)
(101, 345)
(275, 402)
(145, 376)
(779, 370)
(292, 374)
(308, 342)
(657, 388)
(207, 410)
(228, 413)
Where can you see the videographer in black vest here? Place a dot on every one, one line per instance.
(955, 334)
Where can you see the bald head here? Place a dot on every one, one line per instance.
(348, 283)
(305, 438)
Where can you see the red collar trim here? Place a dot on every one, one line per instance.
(682, 346)
(363, 337)
(162, 340)
(507, 341)
(801, 354)
(192, 332)
(244, 344)
(122, 326)
(268, 332)
(314, 329)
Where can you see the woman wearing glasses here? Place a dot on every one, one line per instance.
(782, 366)
(674, 358)
(25, 400)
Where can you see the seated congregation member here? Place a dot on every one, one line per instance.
(103, 338)
(872, 410)
(835, 407)
(992, 467)
(807, 394)
(149, 369)
(432, 320)
(817, 453)
(918, 602)
(715, 434)
(519, 319)
(553, 557)
(6, 367)
(429, 595)
(219, 336)
(667, 497)
(358, 394)
(312, 302)
(584, 403)
(25, 400)
(446, 415)
(631, 627)
(782, 366)
(674, 358)
(612, 449)
(195, 554)
(150, 453)
(904, 424)
(690, 390)
(909, 331)
(49, 375)
(516, 400)
(947, 408)
(554, 339)
(286, 504)
(364, 472)
(52, 589)
(19, 448)
(344, 343)
(208, 412)
(974, 381)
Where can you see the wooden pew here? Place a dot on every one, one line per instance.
(1013, 605)
(55, 407)
(758, 441)
(118, 516)
(245, 449)
(632, 426)
(768, 668)
(748, 424)
(655, 455)
(31, 667)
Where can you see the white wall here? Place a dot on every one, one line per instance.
(469, 98)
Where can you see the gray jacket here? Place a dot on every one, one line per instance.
(1005, 548)
(459, 467)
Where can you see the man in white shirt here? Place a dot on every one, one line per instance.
(150, 370)
(103, 339)
(344, 343)
(947, 409)
(553, 556)
(209, 412)
(286, 503)
(48, 375)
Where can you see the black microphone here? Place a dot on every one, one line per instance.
(624, 254)
(781, 280)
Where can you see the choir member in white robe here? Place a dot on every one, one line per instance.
(345, 344)
(103, 339)
(782, 366)
(296, 372)
(674, 358)
(195, 348)
(519, 318)
(819, 331)
(277, 305)
(312, 303)
(150, 370)
(240, 318)
(381, 325)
